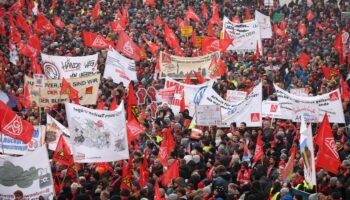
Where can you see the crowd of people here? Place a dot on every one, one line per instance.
(213, 168)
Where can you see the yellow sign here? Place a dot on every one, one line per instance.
(186, 31)
(198, 40)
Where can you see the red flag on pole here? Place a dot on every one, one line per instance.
(117, 26)
(159, 21)
(304, 60)
(338, 45)
(310, 16)
(171, 173)
(344, 90)
(199, 77)
(96, 10)
(259, 153)
(128, 47)
(302, 29)
(127, 177)
(100, 105)
(157, 192)
(96, 41)
(114, 104)
(288, 170)
(182, 103)
(134, 129)
(26, 97)
(217, 68)
(166, 147)
(144, 173)
(58, 22)
(327, 156)
(13, 126)
(68, 89)
(42, 24)
(188, 79)
(32, 48)
(192, 15)
(149, 2)
(170, 37)
(62, 153)
(247, 14)
(132, 108)
(329, 73)
(204, 10)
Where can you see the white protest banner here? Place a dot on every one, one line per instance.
(30, 173)
(54, 130)
(177, 67)
(193, 94)
(285, 2)
(59, 67)
(50, 94)
(329, 103)
(267, 3)
(248, 110)
(119, 68)
(16, 147)
(208, 115)
(245, 36)
(300, 91)
(235, 95)
(271, 109)
(308, 111)
(167, 94)
(97, 135)
(264, 24)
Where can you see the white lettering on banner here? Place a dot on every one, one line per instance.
(30, 173)
(58, 67)
(119, 68)
(245, 36)
(329, 103)
(248, 110)
(193, 94)
(97, 135)
(177, 67)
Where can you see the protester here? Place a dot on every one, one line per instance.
(216, 165)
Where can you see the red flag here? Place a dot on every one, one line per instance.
(302, 29)
(157, 192)
(310, 16)
(259, 153)
(204, 10)
(283, 24)
(35, 67)
(96, 41)
(22, 24)
(188, 79)
(344, 90)
(278, 31)
(257, 52)
(304, 60)
(26, 97)
(68, 89)
(199, 77)
(247, 14)
(58, 23)
(15, 36)
(182, 103)
(42, 24)
(171, 173)
(159, 21)
(167, 146)
(100, 105)
(17, 7)
(215, 19)
(218, 70)
(117, 26)
(128, 47)
(53, 4)
(327, 156)
(192, 15)
(2, 27)
(180, 23)
(170, 37)
(149, 2)
(144, 173)
(13, 126)
(329, 73)
(114, 104)
(134, 129)
(96, 10)
(338, 45)
(288, 170)
(210, 45)
(127, 178)
(62, 153)
(132, 108)
(32, 48)
(225, 43)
